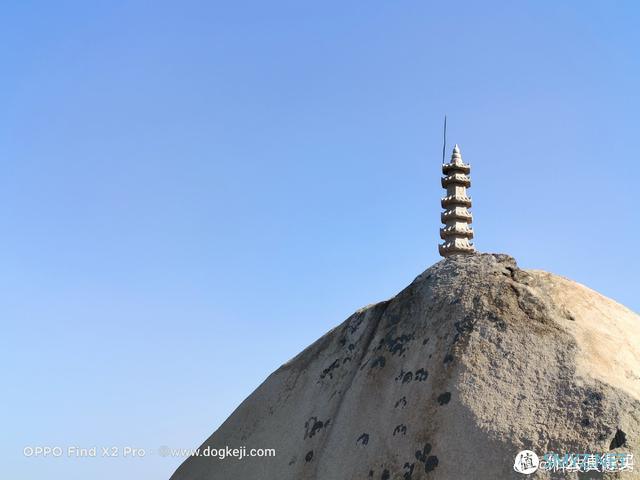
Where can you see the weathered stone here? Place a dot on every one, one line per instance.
(481, 360)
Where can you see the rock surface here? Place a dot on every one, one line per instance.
(471, 363)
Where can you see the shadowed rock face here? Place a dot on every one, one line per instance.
(471, 363)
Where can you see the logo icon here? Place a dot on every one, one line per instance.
(526, 462)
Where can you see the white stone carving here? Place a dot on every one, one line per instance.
(456, 233)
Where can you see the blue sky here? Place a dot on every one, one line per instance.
(192, 192)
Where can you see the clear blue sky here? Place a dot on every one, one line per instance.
(192, 192)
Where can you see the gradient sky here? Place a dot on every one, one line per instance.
(192, 192)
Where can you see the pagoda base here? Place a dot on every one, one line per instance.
(456, 247)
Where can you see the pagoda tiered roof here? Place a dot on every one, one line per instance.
(462, 230)
(456, 179)
(456, 213)
(455, 200)
(456, 233)
(454, 167)
(456, 246)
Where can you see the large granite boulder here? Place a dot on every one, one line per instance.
(473, 362)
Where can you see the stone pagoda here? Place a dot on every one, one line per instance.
(456, 233)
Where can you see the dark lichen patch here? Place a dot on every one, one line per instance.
(351, 347)
(370, 473)
(421, 375)
(593, 407)
(431, 463)
(346, 359)
(424, 342)
(329, 370)
(619, 440)
(463, 327)
(500, 324)
(363, 439)
(354, 324)
(401, 403)
(585, 422)
(404, 377)
(593, 398)
(448, 358)
(379, 362)
(385, 475)
(313, 426)
(398, 345)
(309, 456)
(444, 398)
(395, 345)
(408, 471)
(421, 455)
(400, 430)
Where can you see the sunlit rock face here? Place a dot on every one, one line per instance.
(473, 362)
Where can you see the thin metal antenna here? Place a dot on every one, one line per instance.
(444, 139)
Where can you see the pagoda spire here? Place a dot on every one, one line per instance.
(456, 233)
